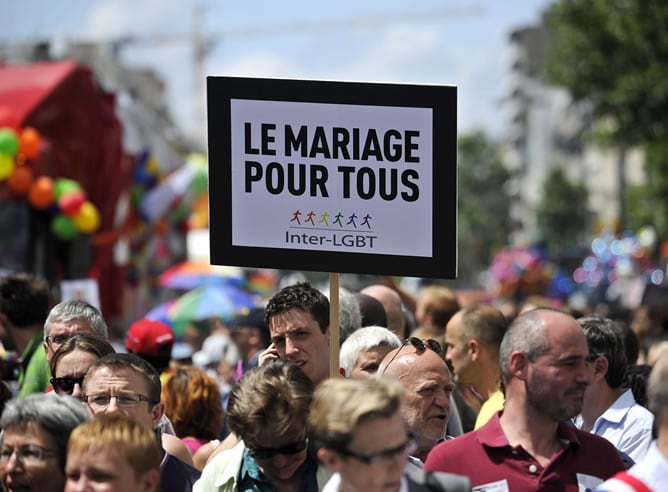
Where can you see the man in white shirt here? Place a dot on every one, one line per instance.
(609, 410)
(650, 473)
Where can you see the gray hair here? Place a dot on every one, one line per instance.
(525, 334)
(365, 339)
(76, 309)
(657, 389)
(350, 316)
(57, 415)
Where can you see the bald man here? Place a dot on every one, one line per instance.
(420, 368)
(396, 319)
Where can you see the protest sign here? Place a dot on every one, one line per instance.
(333, 176)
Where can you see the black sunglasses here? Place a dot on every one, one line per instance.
(267, 453)
(66, 384)
(380, 456)
(420, 345)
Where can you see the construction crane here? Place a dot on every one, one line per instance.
(203, 43)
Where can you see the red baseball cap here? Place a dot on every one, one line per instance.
(149, 337)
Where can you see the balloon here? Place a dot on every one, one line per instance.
(199, 183)
(20, 180)
(30, 142)
(6, 166)
(8, 118)
(70, 203)
(88, 218)
(152, 166)
(64, 185)
(9, 143)
(63, 227)
(41, 192)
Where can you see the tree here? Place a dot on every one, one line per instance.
(562, 213)
(613, 54)
(484, 206)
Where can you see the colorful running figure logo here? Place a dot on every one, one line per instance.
(295, 217)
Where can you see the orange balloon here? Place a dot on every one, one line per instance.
(30, 142)
(20, 180)
(41, 192)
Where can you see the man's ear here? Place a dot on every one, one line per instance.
(149, 480)
(156, 413)
(474, 348)
(519, 362)
(329, 459)
(601, 366)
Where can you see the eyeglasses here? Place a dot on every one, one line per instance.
(30, 454)
(383, 456)
(66, 384)
(267, 453)
(420, 345)
(101, 400)
(56, 340)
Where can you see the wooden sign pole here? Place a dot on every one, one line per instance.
(334, 324)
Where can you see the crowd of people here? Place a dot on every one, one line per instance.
(430, 394)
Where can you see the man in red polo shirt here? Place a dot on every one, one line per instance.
(528, 445)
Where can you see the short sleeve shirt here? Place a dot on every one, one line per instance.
(487, 458)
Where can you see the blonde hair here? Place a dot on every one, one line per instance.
(341, 405)
(135, 442)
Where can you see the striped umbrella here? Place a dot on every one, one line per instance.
(159, 312)
(190, 274)
(210, 301)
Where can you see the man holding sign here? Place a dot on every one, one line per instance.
(298, 321)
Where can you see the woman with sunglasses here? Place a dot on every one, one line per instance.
(72, 359)
(357, 428)
(267, 410)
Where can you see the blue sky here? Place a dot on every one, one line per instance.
(451, 42)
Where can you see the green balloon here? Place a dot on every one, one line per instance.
(9, 142)
(63, 227)
(63, 186)
(199, 183)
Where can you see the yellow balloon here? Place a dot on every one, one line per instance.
(88, 218)
(152, 166)
(6, 166)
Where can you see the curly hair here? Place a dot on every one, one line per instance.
(301, 295)
(275, 396)
(193, 403)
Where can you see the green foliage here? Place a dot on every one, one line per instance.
(562, 212)
(646, 204)
(483, 219)
(614, 54)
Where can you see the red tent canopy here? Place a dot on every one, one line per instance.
(83, 141)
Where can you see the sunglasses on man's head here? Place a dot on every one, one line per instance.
(267, 453)
(66, 384)
(420, 345)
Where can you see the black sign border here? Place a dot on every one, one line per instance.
(442, 100)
